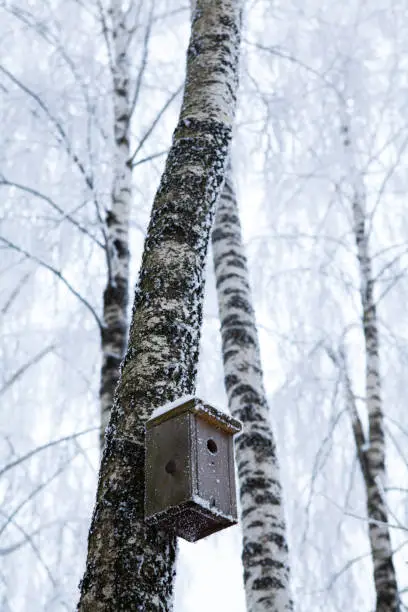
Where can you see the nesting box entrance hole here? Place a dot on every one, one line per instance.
(212, 446)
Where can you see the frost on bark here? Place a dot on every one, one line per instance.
(371, 447)
(116, 294)
(265, 550)
(130, 566)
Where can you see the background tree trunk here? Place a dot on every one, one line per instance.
(265, 549)
(116, 294)
(131, 566)
(373, 453)
(385, 582)
(371, 447)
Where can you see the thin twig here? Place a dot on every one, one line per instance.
(43, 447)
(35, 492)
(48, 200)
(58, 274)
(131, 162)
(25, 367)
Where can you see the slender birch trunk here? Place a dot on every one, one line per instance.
(371, 448)
(131, 566)
(116, 294)
(265, 550)
(373, 466)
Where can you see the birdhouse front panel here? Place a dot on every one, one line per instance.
(168, 464)
(189, 469)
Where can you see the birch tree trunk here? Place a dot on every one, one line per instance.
(116, 294)
(265, 550)
(131, 566)
(371, 448)
(373, 452)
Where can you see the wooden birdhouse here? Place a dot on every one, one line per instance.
(189, 470)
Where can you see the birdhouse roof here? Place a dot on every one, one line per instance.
(196, 406)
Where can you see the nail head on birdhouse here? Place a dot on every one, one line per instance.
(189, 469)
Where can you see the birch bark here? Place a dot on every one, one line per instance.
(116, 294)
(265, 550)
(131, 566)
(371, 448)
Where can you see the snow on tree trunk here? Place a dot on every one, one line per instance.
(372, 452)
(265, 550)
(116, 294)
(131, 566)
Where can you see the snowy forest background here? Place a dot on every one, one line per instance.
(322, 114)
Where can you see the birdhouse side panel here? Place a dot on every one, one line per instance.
(168, 465)
(232, 478)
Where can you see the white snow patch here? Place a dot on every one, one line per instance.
(206, 505)
(167, 407)
(181, 400)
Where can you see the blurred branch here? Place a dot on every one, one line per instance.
(54, 39)
(55, 122)
(149, 158)
(25, 367)
(295, 60)
(43, 447)
(362, 518)
(34, 493)
(131, 162)
(28, 538)
(13, 295)
(58, 274)
(143, 65)
(48, 200)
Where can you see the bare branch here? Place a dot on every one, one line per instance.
(105, 30)
(58, 274)
(358, 431)
(362, 518)
(346, 567)
(5, 182)
(149, 158)
(28, 538)
(55, 41)
(397, 446)
(295, 60)
(143, 65)
(156, 120)
(25, 367)
(34, 493)
(43, 447)
(15, 293)
(57, 125)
